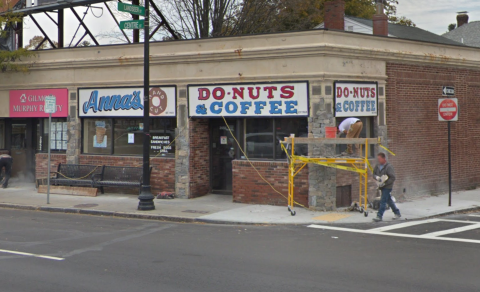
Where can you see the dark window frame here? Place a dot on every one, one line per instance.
(112, 147)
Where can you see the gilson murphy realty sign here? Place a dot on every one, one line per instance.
(126, 102)
(248, 100)
(30, 103)
(356, 99)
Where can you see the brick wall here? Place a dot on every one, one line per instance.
(420, 140)
(199, 137)
(41, 163)
(249, 188)
(162, 177)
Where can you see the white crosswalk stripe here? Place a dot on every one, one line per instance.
(437, 235)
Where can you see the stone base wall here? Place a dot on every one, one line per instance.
(250, 188)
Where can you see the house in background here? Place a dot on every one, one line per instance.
(362, 25)
(467, 33)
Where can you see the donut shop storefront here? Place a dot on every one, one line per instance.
(245, 123)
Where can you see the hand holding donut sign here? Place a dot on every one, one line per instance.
(158, 101)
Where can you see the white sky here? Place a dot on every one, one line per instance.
(436, 15)
(431, 15)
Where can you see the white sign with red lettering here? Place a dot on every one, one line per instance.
(249, 100)
(356, 99)
(448, 109)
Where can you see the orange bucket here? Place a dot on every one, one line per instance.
(330, 132)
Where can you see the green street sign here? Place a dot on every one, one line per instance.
(133, 9)
(132, 24)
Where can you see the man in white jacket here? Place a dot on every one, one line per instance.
(352, 127)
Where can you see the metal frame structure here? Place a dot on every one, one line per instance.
(59, 9)
(359, 165)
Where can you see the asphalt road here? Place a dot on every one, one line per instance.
(108, 254)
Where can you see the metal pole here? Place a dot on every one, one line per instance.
(146, 198)
(48, 170)
(449, 168)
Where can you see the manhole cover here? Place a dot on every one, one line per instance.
(85, 205)
(196, 211)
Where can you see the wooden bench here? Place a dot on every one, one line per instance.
(119, 176)
(76, 175)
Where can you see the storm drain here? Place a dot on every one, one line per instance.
(85, 206)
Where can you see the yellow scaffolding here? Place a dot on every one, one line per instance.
(359, 165)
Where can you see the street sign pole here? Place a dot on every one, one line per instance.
(50, 107)
(49, 161)
(448, 112)
(449, 167)
(146, 198)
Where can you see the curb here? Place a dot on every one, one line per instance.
(184, 219)
(129, 215)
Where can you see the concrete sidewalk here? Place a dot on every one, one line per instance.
(220, 209)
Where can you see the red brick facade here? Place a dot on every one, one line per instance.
(420, 140)
(335, 15)
(41, 163)
(250, 188)
(162, 177)
(199, 166)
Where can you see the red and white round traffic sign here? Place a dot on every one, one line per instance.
(448, 109)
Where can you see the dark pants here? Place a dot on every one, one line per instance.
(7, 163)
(387, 200)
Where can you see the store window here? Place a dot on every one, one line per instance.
(97, 136)
(263, 136)
(58, 133)
(128, 136)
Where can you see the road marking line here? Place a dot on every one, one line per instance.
(474, 215)
(374, 232)
(31, 255)
(404, 225)
(450, 231)
(458, 221)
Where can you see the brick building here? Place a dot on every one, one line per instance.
(291, 84)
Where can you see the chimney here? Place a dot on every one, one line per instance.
(462, 18)
(335, 15)
(380, 20)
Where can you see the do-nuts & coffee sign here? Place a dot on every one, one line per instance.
(30, 103)
(126, 102)
(356, 99)
(249, 100)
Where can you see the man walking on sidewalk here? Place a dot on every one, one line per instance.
(385, 174)
(352, 127)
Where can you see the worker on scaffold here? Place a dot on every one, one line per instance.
(385, 175)
(352, 127)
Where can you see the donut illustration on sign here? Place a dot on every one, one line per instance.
(158, 101)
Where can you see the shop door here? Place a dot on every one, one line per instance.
(22, 151)
(222, 149)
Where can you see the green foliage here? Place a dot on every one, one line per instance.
(9, 60)
(452, 26)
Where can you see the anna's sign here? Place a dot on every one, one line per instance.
(126, 102)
